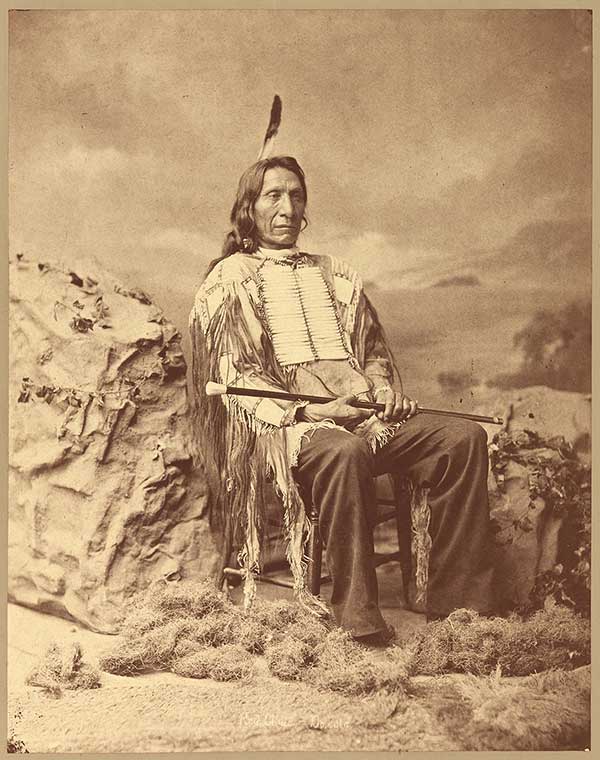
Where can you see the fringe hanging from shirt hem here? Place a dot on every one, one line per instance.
(380, 438)
(244, 450)
(244, 417)
(249, 556)
(306, 435)
(295, 521)
(420, 513)
(226, 434)
(313, 604)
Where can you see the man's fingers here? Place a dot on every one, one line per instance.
(390, 402)
(409, 408)
(405, 408)
(398, 407)
(385, 397)
(397, 411)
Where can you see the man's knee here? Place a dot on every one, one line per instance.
(353, 450)
(464, 434)
(475, 434)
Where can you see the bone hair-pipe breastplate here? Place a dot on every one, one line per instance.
(300, 313)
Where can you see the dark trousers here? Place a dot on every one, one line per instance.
(447, 455)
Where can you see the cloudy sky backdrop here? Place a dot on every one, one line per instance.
(437, 144)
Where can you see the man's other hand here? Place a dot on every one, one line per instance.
(340, 410)
(397, 406)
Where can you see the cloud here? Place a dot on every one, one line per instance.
(90, 163)
(379, 258)
(430, 138)
(461, 280)
(552, 253)
(175, 238)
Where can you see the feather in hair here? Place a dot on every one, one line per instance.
(272, 129)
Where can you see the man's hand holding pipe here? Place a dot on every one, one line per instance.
(398, 407)
(340, 410)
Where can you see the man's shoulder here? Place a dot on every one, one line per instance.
(337, 266)
(231, 269)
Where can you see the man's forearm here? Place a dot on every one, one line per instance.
(379, 371)
(271, 411)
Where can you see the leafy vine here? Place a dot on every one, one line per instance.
(557, 476)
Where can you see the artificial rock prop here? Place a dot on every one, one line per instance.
(103, 496)
(539, 488)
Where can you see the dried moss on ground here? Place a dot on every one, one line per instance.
(194, 630)
(464, 642)
(545, 711)
(329, 692)
(63, 668)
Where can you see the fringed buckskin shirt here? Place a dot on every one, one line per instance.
(285, 321)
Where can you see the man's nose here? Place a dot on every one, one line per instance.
(286, 207)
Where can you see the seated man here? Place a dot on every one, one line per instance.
(270, 316)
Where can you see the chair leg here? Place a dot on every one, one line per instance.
(404, 530)
(315, 553)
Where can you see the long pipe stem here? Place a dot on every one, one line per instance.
(217, 389)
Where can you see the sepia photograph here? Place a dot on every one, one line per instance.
(300, 380)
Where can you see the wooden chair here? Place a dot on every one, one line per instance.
(395, 506)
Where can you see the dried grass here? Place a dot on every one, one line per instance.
(175, 622)
(192, 629)
(63, 668)
(170, 620)
(289, 659)
(467, 643)
(190, 599)
(343, 665)
(230, 662)
(548, 711)
(311, 632)
(278, 615)
(142, 619)
(125, 660)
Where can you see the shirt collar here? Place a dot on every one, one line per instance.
(278, 253)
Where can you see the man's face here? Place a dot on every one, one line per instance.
(279, 209)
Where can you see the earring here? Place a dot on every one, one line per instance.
(247, 243)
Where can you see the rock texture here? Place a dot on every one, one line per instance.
(103, 496)
(527, 537)
(546, 411)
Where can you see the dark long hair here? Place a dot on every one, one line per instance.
(242, 236)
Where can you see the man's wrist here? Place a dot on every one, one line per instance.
(299, 413)
(384, 388)
(304, 413)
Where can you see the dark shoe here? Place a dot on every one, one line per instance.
(379, 638)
